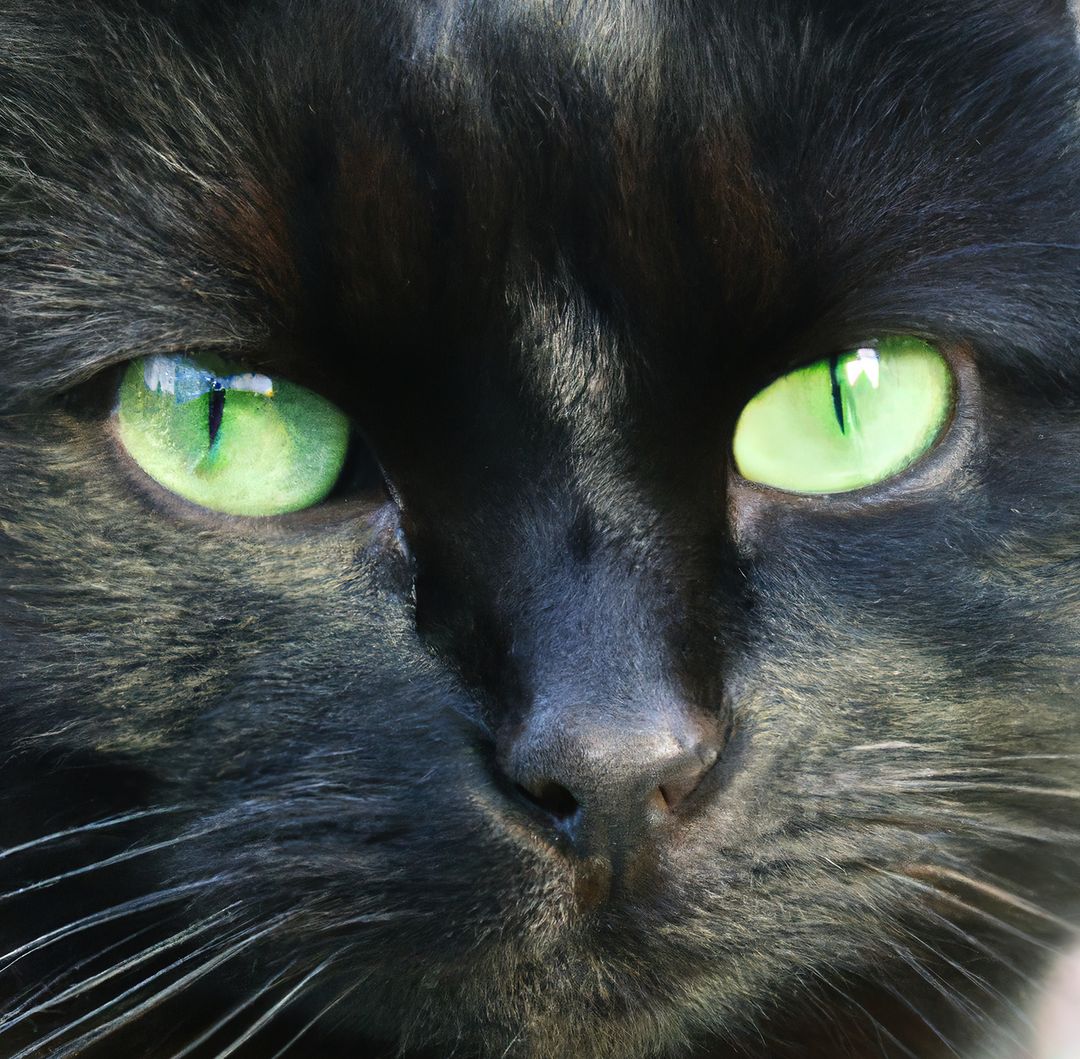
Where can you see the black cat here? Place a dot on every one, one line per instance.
(540, 529)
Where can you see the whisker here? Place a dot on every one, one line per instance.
(973, 910)
(316, 1019)
(921, 1016)
(944, 816)
(998, 894)
(879, 1028)
(268, 1016)
(997, 788)
(952, 995)
(895, 744)
(239, 1009)
(978, 944)
(102, 1031)
(984, 759)
(117, 969)
(109, 915)
(97, 825)
(119, 858)
(975, 979)
(45, 988)
(1038, 757)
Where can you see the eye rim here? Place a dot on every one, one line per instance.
(939, 463)
(345, 503)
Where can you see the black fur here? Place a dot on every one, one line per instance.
(542, 253)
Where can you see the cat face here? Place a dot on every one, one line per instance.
(548, 724)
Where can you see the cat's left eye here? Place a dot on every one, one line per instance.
(230, 440)
(846, 422)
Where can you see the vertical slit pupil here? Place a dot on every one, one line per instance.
(217, 409)
(837, 397)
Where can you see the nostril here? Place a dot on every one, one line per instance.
(685, 779)
(553, 798)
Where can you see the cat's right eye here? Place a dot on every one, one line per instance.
(230, 440)
(846, 422)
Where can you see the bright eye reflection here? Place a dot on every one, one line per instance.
(864, 364)
(186, 380)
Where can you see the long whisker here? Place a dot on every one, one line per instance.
(997, 788)
(879, 1028)
(977, 943)
(180, 984)
(921, 1016)
(953, 996)
(120, 968)
(97, 825)
(239, 1009)
(265, 1018)
(972, 910)
(975, 979)
(938, 815)
(1038, 757)
(45, 988)
(971, 759)
(109, 915)
(119, 858)
(308, 1026)
(996, 893)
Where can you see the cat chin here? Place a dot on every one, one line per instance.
(567, 999)
(542, 1023)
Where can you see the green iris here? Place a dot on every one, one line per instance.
(848, 421)
(233, 441)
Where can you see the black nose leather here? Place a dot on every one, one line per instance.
(604, 785)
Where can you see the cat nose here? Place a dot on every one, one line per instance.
(604, 786)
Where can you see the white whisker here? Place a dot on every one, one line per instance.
(119, 858)
(316, 1019)
(921, 1016)
(97, 825)
(896, 744)
(999, 894)
(951, 994)
(118, 969)
(32, 995)
(939, 815)
(879, 1028)
(975, 979)
(267, 1016)
(239, 1009)
(102, 1031)
(109, 915)
(997, 788)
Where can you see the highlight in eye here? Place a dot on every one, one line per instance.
(230, 440)
(847, 421)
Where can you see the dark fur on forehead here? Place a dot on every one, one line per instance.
(325, 173)
(542, 254)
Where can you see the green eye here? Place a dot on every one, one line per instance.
(230, 440)
(848, 421)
